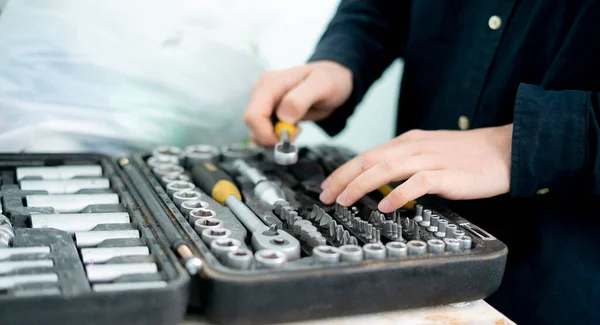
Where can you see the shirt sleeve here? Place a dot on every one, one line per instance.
(365, 36)
(555, 145)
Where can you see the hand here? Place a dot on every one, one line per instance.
(308, 92)
(456, 165)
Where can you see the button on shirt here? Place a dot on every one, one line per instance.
(534, 63)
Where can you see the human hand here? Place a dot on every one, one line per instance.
(456, 165)
(308, 92)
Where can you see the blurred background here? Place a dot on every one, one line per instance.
(116, 76)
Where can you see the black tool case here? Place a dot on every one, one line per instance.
(302, 289)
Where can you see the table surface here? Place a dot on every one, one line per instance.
(471, 313)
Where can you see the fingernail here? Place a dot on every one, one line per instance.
(285, 116)
(325, 196)
(325, 183)
(384, 205)
(343, 198)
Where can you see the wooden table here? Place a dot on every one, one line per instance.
(472, 313)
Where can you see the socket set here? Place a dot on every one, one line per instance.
(272, 250)
(91, 239)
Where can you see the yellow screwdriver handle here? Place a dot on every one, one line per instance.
(284, 126)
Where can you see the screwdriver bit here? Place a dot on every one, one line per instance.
(345, 237)
(332, 229)
(325, 220)
(441, 231)
(433, 223)
(353, 241)
(339, 233)
(297, 229)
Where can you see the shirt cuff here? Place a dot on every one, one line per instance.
(549, 141)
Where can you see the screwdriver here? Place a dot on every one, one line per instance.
(221, 188)
(285, 153)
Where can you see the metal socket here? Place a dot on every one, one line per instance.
(452, 245)
(200, 153)
(240, 259)
(418, 213)
(441, 228)
(164, 180)
(269, 259)
(200, 214)
(222, 246)
(168, 151)
(458, 233)
(351, 253)
(436, 246)
(396, 250)
(374, 251)
(450, 229)
(211, 234)
(416, 247)
(186, 195)
(188, 206)
(433, 224)
(327, 255)
(202, 224)
(426, 222)
(165, 170)
(178, 186)
(159, 161)
(465, 243)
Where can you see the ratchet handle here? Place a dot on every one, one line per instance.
(214, 182)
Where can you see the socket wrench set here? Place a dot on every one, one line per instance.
(272, 252)
(237, 231)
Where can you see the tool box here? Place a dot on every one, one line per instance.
(91, 239)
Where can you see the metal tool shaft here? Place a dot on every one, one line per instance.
(60, 172)
(8, 282)
(70, 203)
(244, 214)
(78, 221)
(65, 186)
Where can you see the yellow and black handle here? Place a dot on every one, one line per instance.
(215, 182)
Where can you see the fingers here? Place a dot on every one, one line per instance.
(340, 178)
(296, 103)
(386, 171)
(416, 186)
(267, 93)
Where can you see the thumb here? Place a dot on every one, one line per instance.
(296, 103)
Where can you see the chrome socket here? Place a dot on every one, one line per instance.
(374, 251)
(202, 224)
(416, 247)
(201, 214)
(211, 234)
(396, 249)
(327, 255)
(241, 259)
(351, 253)
(436, 246)
(178, 186)
(270, 259)
(185, 195)
(188, 206)
(222, 246)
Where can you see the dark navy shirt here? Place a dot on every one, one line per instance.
(483, 63)
(479, 63)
